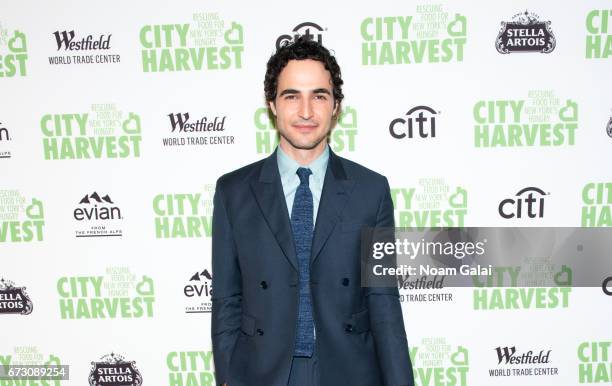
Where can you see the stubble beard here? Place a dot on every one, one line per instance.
(306, 146)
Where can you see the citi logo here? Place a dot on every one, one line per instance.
(528, 201)
(67, 40)
(311, 31)
(181, 122)
(423, 117)
(91, 210)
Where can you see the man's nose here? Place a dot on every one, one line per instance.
(305, 108)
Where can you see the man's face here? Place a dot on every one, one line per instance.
(304, 104)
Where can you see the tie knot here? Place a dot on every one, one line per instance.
(304, 173)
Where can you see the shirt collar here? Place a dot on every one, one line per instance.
(287, 166)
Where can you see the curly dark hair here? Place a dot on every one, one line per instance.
(302, 48)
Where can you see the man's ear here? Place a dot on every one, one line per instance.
(272, 107)
(337, 108)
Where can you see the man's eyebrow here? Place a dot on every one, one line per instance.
(292, 91)
(289, 91)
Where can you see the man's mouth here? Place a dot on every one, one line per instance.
(305, 126)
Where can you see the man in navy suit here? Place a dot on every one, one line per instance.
(288, 304)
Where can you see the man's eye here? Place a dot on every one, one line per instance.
(321, 97)
(290, 97)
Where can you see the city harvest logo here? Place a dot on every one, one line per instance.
(599, 36)
(437, 362)
(597, 204)
(312, 31)
(4, 139)
(527, 202)
(433, 203)
(203, 131)
(525, 33)
(184, 215)
(208, 43)
(97, 217)
(14, 300)
(79, 49)
(198, 292)
(595, 362)
(32, 356)
(341, 139)
(13, 53)
(423, 117)
(105, 132)
(114, 370)
(532, 363)
(428, 36)
(19, 221)
(190, 368)
(519, 287)
(538, 121)
(117, 295)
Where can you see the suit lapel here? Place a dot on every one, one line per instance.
(268, 191)
(336, 191)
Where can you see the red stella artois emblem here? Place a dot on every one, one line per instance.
(525, 33)
(113, 370)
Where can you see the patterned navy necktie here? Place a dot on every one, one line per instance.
(302, 226)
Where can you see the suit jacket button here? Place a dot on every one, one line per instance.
(263, 284)
(345, 281)
(259, 331)
(348, 328)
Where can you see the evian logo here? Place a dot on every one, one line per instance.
(525, 33)
(114, 370)
(4, 137)
(198, 275)
(199, 290)
(4, 133)
(310, 30)
(97, 208)
(66, 39)
(180, 122)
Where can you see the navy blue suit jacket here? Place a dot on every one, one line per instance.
(360, 336)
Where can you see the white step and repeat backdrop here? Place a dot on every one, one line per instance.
(118, 117)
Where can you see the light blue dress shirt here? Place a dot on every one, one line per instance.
(287, 168)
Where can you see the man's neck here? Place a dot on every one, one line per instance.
(303, 156)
